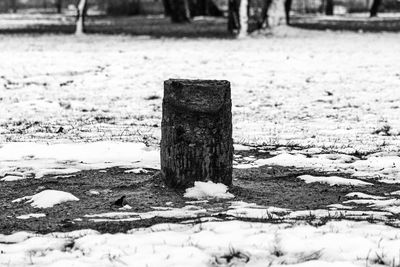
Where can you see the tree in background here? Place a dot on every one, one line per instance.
(329, 5)
(263, 23)
(167, 7)
(375, 8)
(59, 6)
(179, 10)
(234, 16)
(288, 7)
(80, 21)
(14, 6)
(266, 9)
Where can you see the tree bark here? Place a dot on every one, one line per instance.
(179, 11)
(167, 7)
(263, 23)
(80, 21)
(244, 18)
(233, 16)
(196, 133)
(59, 6)
(14, 6)
(288, 7)
(329, 5)
(375, 8)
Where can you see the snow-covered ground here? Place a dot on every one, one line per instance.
(333, 96)
(233, 243)
(328, 90)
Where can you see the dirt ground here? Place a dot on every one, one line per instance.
(268, 185)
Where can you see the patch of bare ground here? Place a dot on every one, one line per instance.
(97, 190)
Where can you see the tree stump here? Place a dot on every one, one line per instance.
(196, 133)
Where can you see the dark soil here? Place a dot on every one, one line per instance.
(268, 185)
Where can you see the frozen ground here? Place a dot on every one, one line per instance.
(234, 243)
(320, 107)
(328, 90)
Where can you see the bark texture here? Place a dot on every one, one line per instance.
(179, 10)
(80, 22)
(14, 6)
(196, 138)
(233, 16)
(59, 6)
(329, 5)
(375, 8)
(288, 8)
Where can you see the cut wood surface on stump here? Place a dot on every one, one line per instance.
(196, 138)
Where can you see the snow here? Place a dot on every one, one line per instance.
(381, 166)
(237, 147)
(126, 207)
(339, 206)
(240, 209)
(31, 215)
(337, 243)
(332, 180)
(390, 205)
(94, 192)
(15, 238)
(280, 100)
(11, 178)
(363, 195)
(37, 160)
(206, 190)
(136, 171)
(47, 198)
(188, 211)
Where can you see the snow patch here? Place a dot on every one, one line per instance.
(363, 195)
(390, 205)
(206, 190)
(31, 215)
(240, 209)
(332, 180)
(136, 171)
(339, 207)
(336, 243)
(238, 147)
(47, 198)
(126, 207)
(37, 160)
(11, 178)
(164, 212)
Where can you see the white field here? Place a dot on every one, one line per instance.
(326, 92)
(280, 87)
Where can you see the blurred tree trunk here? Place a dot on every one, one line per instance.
(80, 21)
(59, 6)
(233, 16)
(288, 7)
(244, 18)
(263, 23)
(14, 6)
(167, 7)
(179, 10)
(375, 8)
(329, 7)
